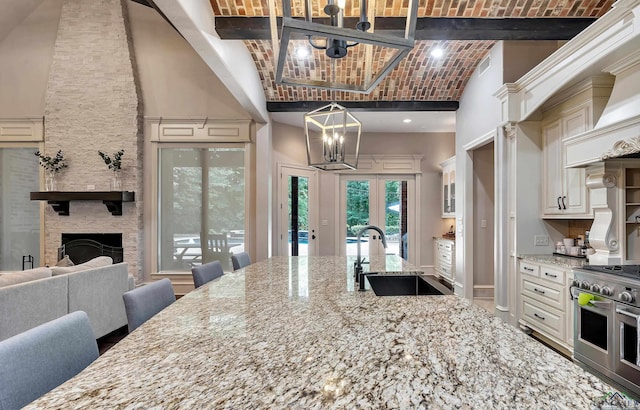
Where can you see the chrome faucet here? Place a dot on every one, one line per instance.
(357, 266)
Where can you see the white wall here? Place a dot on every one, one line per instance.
(479, 115)
(174, 79)
(25, 56)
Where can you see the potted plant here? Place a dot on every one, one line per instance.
(52, 165)
(115, 164)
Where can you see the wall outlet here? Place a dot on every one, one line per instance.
(483, 223)
(324, 222)
(91, 187)
(541, 240)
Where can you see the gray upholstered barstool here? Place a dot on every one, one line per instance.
(142, 303)
(40, 359)
(206, 273)
(240, 260)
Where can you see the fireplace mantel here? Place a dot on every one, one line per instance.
(59, 200)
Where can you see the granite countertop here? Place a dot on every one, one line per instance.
(292, 333)
(562, 261)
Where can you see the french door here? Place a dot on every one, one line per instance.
(298, 211)
(385, 201)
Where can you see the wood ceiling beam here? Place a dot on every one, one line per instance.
(429, 28)
(305, 106)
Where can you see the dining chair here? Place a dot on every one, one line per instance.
(206, 273)
(240, 260)
(216, 247)
(142, 303)
(39, 359)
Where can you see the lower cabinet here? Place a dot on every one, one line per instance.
(545, 304)
(444, 258)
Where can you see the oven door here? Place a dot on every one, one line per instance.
(627, 359)
(593, 332)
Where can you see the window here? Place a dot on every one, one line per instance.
(19, 216)
(201, 209)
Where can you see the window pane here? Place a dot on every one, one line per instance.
(19, 216)
(201, 214)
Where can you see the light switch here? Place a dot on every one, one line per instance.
(324, 222)
(483, 223)
(91, 187)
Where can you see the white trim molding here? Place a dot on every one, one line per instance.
(199, 130)
(387, 164)
(28, 129)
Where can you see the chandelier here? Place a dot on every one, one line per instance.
(307, 49)
(333, 138)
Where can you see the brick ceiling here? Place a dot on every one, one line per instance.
(419, 77)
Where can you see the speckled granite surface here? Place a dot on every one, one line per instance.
(293, 334)
(562, 261)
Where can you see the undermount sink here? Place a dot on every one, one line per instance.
(405, 285)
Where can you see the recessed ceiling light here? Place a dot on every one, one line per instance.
(437, 52)
(302, 52)
(407, 120)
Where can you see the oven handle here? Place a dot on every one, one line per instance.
(626, 313)
(599, 304)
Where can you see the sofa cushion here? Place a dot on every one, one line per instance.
(93, 263)
(24, 276)
(27, 305)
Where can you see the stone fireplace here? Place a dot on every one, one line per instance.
(93, 103)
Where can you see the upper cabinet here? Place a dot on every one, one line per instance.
(449, 188)
(564, 191)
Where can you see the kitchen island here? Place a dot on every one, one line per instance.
(291, 332)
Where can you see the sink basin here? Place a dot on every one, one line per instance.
(405, 285)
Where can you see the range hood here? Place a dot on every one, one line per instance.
(617, 132)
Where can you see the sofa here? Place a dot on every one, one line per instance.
(36, 296)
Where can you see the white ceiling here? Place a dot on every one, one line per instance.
(388, 122)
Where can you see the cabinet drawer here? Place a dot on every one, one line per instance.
(446, 257)
(549, 295)
(529, 268)
(543, 320)
(446, 271)
(445, 245)
(552, 274)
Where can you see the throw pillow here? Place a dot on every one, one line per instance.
(24, 276)
(64, 262)
(93, 263)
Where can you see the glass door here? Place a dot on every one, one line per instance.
(298, 213)
(384, 201)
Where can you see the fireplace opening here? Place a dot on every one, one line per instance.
(82, 247)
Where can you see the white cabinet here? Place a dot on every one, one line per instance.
(444, 258)
(564, 189)
(545, 305)
(449, 188)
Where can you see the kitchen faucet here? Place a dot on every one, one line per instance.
(357, 266)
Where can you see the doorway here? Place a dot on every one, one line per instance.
(298, 211)
(386, 201)
(483, 225)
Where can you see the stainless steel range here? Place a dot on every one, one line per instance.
(607, 322)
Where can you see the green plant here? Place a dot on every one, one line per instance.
(115, 163)
(51, 164)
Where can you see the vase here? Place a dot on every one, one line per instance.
(116, 181)
(50, 183)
